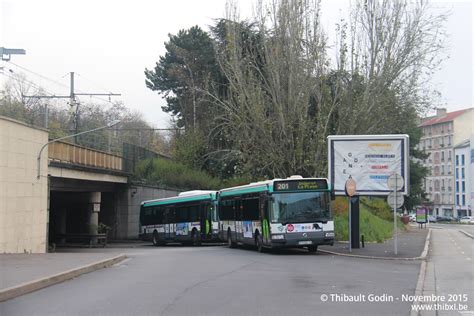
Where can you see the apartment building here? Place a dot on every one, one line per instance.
(440, 135)
(462, 178)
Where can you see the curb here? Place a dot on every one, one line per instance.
(419, 285)
(38, 284)
(466, 233)
(421, 257)
(422, 275)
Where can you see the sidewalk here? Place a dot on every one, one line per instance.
(24, 273)
(411, 245)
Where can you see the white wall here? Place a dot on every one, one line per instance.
(23, 198)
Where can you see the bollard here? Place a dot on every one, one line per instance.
(362, 241)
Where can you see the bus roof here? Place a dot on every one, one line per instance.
(261, 186)
(189, 196)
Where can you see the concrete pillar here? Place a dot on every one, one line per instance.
(94, 209)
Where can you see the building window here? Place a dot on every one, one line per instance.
(463, 200)
(457, 199)
(442, 169)
(457, 186)
(463, 186)
(457, 160)
(457, 173)
(449, 155)
(462, 173)
(442, 156)
(462, 160)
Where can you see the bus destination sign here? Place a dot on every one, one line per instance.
(300, 185)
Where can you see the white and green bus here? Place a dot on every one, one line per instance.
(292, 212)
(189, 218)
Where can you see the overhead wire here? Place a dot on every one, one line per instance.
(39, 75)
(59, 83)
(31, 83)
(49, 93)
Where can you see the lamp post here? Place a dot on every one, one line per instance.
(113, 123)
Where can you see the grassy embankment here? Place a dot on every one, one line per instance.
(175, 175)
(376, 219)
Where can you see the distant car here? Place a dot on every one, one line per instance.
(432, 219)
(467, 220)
(440, 218)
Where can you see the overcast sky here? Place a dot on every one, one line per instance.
(110, 43)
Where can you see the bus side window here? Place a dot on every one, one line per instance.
(159, 215)
(250, 209)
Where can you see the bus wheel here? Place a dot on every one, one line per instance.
(229, 240)
(155, 239)
(195, 238)
(259, 243)
(313, 248)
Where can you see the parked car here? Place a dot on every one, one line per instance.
(440, 218)
(467, 220)
(432, 219)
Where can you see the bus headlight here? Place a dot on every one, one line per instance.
(279, 237)
(329, 234)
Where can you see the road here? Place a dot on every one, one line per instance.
(221, 281)
(450, 267)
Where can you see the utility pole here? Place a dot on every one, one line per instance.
(72, 102)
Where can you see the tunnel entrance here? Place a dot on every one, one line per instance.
(82, 217)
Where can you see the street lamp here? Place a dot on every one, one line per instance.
(113, 123)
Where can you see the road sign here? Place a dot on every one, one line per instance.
(395, 199)
(351, 187)
(395, 182)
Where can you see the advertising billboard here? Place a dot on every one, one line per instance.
(368, 159)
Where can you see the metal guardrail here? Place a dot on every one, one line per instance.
(74, 154)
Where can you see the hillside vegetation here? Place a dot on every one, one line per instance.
(376, 219)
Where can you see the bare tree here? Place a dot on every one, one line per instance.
(15, 104)
(274, 68)
(394, 47)
(285, 96)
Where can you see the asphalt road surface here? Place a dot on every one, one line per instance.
(450, 269)
(217, 280)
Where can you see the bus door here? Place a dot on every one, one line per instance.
(265, 218)
(205, 212)
(239, 230)
(168, 223)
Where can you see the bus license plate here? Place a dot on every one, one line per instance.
(305, 242)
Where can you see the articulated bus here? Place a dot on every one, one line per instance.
(188, 218)
(292, 212)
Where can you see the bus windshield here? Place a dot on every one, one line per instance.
(305, 207)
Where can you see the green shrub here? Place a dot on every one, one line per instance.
(172, 174)
(378, 207)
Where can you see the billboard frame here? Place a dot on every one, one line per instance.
(403, 153)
